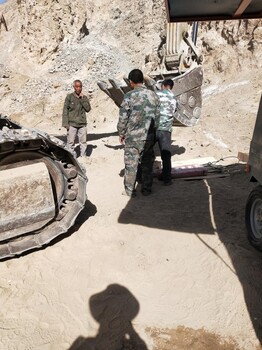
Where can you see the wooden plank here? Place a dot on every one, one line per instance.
(204, 177)
(194, 161)
(242, 7)
(243, 157)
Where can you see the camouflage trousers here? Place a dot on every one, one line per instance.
(139, 154)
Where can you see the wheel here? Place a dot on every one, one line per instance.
(253, 217)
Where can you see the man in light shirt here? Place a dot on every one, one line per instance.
(163, 134)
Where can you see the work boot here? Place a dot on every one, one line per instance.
(139, 175)
(160, 177)
(146, 192)
(168, 183)
(131, 194)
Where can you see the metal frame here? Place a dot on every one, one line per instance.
(212, 10)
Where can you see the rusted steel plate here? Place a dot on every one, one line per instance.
(26, 199)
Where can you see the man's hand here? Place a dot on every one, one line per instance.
(79, 96)
(122, 139)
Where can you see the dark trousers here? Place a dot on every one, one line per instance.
(145, 168)
(164, 142)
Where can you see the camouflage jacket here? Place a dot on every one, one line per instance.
(167, 109)
(74, 111)
(139, 108)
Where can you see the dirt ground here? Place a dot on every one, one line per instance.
(170, 271)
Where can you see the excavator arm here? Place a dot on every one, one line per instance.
(181, 62)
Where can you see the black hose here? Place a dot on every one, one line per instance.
(194, 32)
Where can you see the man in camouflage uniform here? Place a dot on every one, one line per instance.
(163, 134)
(138, 119)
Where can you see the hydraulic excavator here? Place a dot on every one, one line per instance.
(42, 185)
(182, 62)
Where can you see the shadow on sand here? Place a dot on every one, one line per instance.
(213, 206)
(88, 211)
(91, 137)
(175, 150)
(114, 309)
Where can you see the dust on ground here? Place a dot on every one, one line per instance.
(183, 338)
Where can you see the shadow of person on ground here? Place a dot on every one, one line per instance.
(175, 150)
(90, 137)
(116, 148)
(89, 150)
(114, 309)
(211, 206)
(181, 207)
(94, 137)
(89, 147)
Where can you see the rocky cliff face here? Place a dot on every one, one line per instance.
(46, 24)
(49, 25)
(230, 46)
(51, 43)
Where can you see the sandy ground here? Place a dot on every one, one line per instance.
(170, 271)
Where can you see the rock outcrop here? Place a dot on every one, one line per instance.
(230, 46)
(50, 43)
(46, 25)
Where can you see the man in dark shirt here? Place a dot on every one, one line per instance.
(74, 117)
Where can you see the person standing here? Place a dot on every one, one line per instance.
(164, 130)
(138, 120)
(76, 106)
